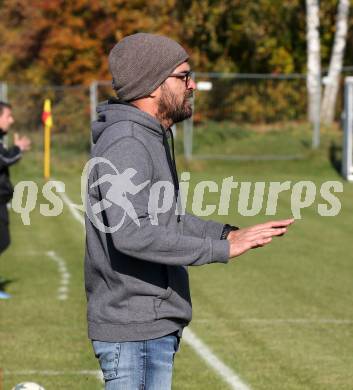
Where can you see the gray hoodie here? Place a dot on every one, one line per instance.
(136, 275)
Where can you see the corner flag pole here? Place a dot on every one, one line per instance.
(48, 123)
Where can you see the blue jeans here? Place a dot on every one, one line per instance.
(137, 365)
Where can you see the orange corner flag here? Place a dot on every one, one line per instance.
(46, 115)
(48, 123)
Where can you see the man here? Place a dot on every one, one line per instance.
(8, 156)
(136, 269)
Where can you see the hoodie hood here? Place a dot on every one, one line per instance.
(112, 111)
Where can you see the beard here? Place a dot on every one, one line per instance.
(170, 108)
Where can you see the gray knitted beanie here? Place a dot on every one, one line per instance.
(140, 63)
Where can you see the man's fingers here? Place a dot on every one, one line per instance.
(281, 223)
(276, 232)
(273, 224)
(264, 237)
(265, 233)
(261, 242)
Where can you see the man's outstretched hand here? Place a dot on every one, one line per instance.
(256, 236)
(24, 143)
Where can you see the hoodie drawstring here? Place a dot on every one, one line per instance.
(171, 163)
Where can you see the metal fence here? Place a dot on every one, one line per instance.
(247, 114)
(236, 116)
(238, 106)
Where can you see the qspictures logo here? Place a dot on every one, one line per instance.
(111, 197)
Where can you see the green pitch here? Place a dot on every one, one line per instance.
(280, 317)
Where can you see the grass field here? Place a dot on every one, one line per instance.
(280, 317)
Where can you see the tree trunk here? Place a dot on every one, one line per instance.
(313, 59)
(336, 63)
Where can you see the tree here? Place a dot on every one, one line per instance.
(336, 63)
(313, 59)
(67, 42)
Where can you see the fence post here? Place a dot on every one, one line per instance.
(188, 135)
(3, 91)
(93, 99)
(188, 126)
(347, 158)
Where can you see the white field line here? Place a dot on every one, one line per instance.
(96, 373)
(76, 214)
(65, 276)
(299, 321)
(279, 321)
(213, 361)
(227, 374)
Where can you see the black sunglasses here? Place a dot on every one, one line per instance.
(183, 76)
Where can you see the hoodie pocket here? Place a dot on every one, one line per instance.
(172, 305)
(176, 301)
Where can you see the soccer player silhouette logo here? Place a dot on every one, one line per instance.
(120, 186)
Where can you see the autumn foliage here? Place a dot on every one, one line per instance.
(67, 41)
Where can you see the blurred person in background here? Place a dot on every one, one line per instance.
(8, 157)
